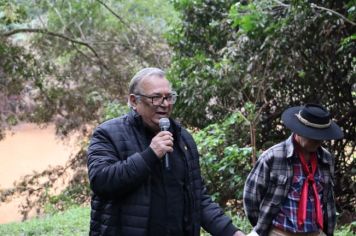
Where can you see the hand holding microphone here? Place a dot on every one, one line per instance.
(162, 143)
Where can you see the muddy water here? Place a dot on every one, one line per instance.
(28, 149)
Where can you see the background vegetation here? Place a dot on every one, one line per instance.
(74, 222)
(235, 64)
(256, 58)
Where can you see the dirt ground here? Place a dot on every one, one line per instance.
(28, 148)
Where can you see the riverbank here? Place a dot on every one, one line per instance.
(26, 149)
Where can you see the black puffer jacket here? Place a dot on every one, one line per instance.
(120, 179)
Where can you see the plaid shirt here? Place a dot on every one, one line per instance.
(287, 217)
(268, 185)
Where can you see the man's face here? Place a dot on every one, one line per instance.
(309, 145)
(150, 113)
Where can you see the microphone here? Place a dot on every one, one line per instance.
(164, 125)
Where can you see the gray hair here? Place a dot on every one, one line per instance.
(134, 87)
(146, 72)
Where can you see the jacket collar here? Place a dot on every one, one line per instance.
(135, 119)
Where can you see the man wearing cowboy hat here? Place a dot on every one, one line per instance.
(290, 189)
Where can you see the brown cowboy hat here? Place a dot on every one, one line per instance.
(311, 121)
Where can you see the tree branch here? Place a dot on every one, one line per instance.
(45, 31)
(116, 15)
(281, 3)
(313, 5)
(333, 12)
(135, 32)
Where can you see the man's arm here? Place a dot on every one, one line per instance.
(255, 188)
(213, 218)
(109, 175)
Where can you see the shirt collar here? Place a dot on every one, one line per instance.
(290, 146)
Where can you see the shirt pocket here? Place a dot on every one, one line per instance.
(296, 188)
(297, 185)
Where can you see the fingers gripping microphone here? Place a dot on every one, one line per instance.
(164, 125)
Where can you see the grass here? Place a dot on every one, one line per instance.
(73, 222)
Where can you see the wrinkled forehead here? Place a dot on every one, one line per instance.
(155, 84)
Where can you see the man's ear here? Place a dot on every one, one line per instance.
(133, 101)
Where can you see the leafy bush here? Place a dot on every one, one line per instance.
(238, 221)
(66, 68)
(114, 109)
(272, 54)
(346, 230)
(224, 165)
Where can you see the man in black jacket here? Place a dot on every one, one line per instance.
(134, 194)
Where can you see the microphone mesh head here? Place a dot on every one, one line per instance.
(164, 123)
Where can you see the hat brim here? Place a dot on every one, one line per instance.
(291, 121)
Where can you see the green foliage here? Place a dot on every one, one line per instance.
(351, 9)
(247, 18)
(244, 62)
(114, 109)
(80, 55)
(11, 13)
(224, 165)
(273, 54)
(17, 72)
(69, 62)
(346, 230)
(72, 196)
(190, 101)
(74, 221)
(197, 73)
(240, 222)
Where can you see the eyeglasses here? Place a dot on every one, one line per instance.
(157, 100)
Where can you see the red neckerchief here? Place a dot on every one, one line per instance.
(302, 208)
